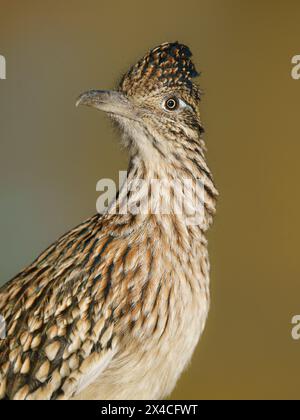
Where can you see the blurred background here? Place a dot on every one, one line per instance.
(52, 155)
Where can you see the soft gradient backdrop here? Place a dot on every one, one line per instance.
(52, 155)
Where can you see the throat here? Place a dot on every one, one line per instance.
(183, 193)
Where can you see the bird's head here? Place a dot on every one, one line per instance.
(156, 103)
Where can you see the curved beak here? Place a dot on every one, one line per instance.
(108, 101)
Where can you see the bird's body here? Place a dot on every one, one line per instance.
(115, 308)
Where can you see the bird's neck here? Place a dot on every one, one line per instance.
(180, 188)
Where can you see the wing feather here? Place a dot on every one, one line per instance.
(60, 328)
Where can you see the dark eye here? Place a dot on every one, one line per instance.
(172, 104)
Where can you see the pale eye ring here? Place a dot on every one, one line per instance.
(171, 104)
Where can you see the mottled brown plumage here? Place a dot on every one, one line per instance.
(167, 66)
(115, 308)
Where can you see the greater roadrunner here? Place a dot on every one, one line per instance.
(115, 308)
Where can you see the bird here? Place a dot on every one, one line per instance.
(115, 308)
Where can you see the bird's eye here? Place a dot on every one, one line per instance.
(172, 104)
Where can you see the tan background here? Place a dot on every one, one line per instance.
(52, 155)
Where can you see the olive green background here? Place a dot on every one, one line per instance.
(52, 155)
